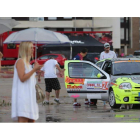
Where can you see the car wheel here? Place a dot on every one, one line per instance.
(136, 106)
(112, 101)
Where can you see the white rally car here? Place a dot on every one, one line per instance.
(84, 79)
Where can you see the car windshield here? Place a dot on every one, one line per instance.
(126, 68)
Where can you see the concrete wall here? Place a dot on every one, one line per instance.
(45, 24)
(109, 24)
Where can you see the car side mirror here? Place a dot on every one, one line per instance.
(99, 75)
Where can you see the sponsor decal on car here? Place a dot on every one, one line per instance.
(74, 81)
(113, 84)
(105, 85)
(74, 87)
(94, 85)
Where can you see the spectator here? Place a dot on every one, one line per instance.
(122, 54)
(80, 56)
(24, 104)
(107, 53)
(51, 80)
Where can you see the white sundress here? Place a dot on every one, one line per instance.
(24, 96)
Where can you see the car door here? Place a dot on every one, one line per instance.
(100, 64)
(83, 80)
(107, 67)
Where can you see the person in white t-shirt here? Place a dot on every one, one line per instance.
(107, 53)
(51, 80)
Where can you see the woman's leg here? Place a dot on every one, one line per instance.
(31, 121)
(22, 119)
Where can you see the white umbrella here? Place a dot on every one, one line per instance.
(7, 25)
(38, 36)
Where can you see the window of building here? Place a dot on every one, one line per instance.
(36, 18)
(33, 18)
(87, 29)
(122, 19)
(40, 18)
(68, 29)
(60, 29)
(52, 18)
(84, 18)
(127, 34)
(18, 29)
(122, 33)
(21, 18)
(79, 29)
(52, 29)
(67, 17)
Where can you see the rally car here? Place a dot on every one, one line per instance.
(124, 85)
(83, 79)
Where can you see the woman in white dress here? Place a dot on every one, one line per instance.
(24, 105)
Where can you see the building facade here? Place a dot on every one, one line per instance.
(125, 30)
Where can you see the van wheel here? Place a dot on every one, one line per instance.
(112, 101)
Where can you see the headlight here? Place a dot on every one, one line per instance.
(125, 86)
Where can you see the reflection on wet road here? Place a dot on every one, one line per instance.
(68, 113)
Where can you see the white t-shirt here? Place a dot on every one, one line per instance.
(111, 54)
(49, 69)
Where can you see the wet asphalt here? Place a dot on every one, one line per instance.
(64, 112)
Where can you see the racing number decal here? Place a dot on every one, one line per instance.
(105, 85)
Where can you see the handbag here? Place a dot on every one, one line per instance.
(39, 94)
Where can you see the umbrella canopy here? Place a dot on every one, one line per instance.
(38, 36)
(7, 25)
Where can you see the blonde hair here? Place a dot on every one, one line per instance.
(23, 53)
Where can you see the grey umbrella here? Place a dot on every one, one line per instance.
(38, 36)
(7, 24)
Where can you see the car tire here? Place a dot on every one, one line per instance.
(112, 101)
(136, 106)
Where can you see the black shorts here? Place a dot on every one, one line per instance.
(52, 83)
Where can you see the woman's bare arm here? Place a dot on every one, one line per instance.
(21, 70)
